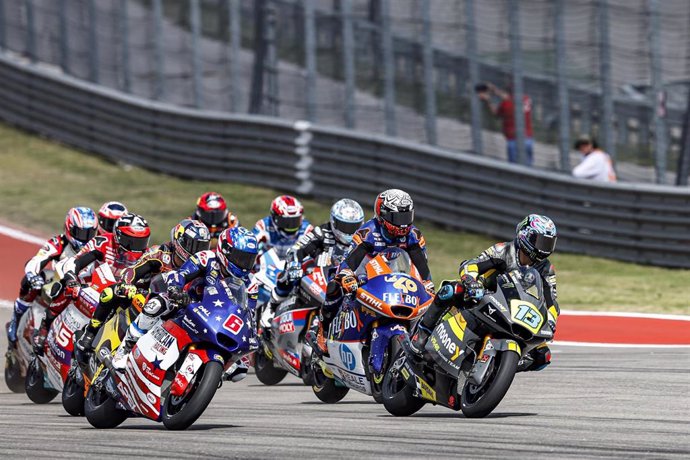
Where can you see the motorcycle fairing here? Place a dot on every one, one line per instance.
(380, 338)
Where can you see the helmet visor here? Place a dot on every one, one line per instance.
(242, 260)
(106, 223)
(82, 234)
(194, 245)
(348, 228)
(288, 224)
(398, 219)
(133, 243)
(544, 244)
(215, 217)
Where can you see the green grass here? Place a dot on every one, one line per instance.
(40, 179)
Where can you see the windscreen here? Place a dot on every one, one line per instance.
(235, 289)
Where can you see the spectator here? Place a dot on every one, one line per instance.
(596, 164)
(505, 111)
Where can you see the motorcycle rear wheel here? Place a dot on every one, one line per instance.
(35, 384)
(480, 401)
(181, 413)
(266, 372)
(101, 410)
(397, 396)
(13, 373)
(73, 394)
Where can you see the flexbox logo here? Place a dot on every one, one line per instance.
(347, 357)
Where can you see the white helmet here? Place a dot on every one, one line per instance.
(346, 218)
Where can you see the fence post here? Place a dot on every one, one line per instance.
(658, 94)
(473, 64)
(272, 87)
(606, 113)
(256, 99)
(562, 78)
(64, 44)
(388, 69)
(310, 59)
(30, 31)
(124, 33)
(516, 59)
(348, 43)
(428, 63)
(159, 83)
(195, 18)
(3, 27)
(235, 45)
(93, 43)
(684, 155)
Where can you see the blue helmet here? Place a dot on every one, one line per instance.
(237, 251)
(80, 226)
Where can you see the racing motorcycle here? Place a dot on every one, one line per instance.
(472, 355)
(283, 346)
(17, 359)
(106, 341)
(174, 370)
(361, 338)
(46, 374)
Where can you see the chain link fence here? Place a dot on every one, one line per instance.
(616, 69)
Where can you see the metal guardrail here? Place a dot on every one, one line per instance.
(645, 224)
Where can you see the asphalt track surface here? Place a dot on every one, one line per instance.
(590, 403)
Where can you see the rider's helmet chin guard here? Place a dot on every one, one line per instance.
(212, 211)
(131, 234)
(394, 210)
(187, 238)
(81, 225)
(237, 251)
(108, 215)
(536, 236)
(346, 218)
(287, 214)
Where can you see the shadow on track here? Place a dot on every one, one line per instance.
(460, 415)
(160, 427)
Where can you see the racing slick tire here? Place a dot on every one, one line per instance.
(265, 371)
(479, 401)
(34, 384)
(180, 412)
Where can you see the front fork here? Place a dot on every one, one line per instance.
(487, 356)
(190, 366)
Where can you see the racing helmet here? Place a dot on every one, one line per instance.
(237, 251)
(394, 211)
(187, 238)
(131, 234)
(212, 211)
(108, 214)
(346, 218)
(80, 226)
(287, 214)
(536, 236)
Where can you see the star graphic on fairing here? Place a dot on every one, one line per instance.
(244, 338)
(157, 362)
(218, 318)
(218, 303)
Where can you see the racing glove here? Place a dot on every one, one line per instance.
(124, 290)
(328, 238)
(294, 271)
(429, 286)
(474, 290)
(71, 284)
(36, 281)
(348, 281)
(178, 296)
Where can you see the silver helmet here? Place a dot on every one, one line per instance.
(346, 218)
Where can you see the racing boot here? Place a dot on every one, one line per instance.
(418, 341)
(20, 307)
(315, 337)
(238, 371)
(537, 359)
(41, 333)
(120, 357)
(84, 346)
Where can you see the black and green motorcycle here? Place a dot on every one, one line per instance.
(472, 355)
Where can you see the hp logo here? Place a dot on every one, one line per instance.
(347, 357)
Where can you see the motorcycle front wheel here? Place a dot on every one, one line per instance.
(13, 373)
(266, 372)
(35, 384)
(397, 396)
(326, 389)
(101, 410)
(73, 394)
(179, 413)
(479, 401)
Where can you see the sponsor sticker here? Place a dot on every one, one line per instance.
(347, 357)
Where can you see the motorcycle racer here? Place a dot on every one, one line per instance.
(392, 226)
(80, 227)
(345, 219)
(119, 249)
(283, 227)
(186, 238)
(234, 256)
(212, 210)
(534, 242)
